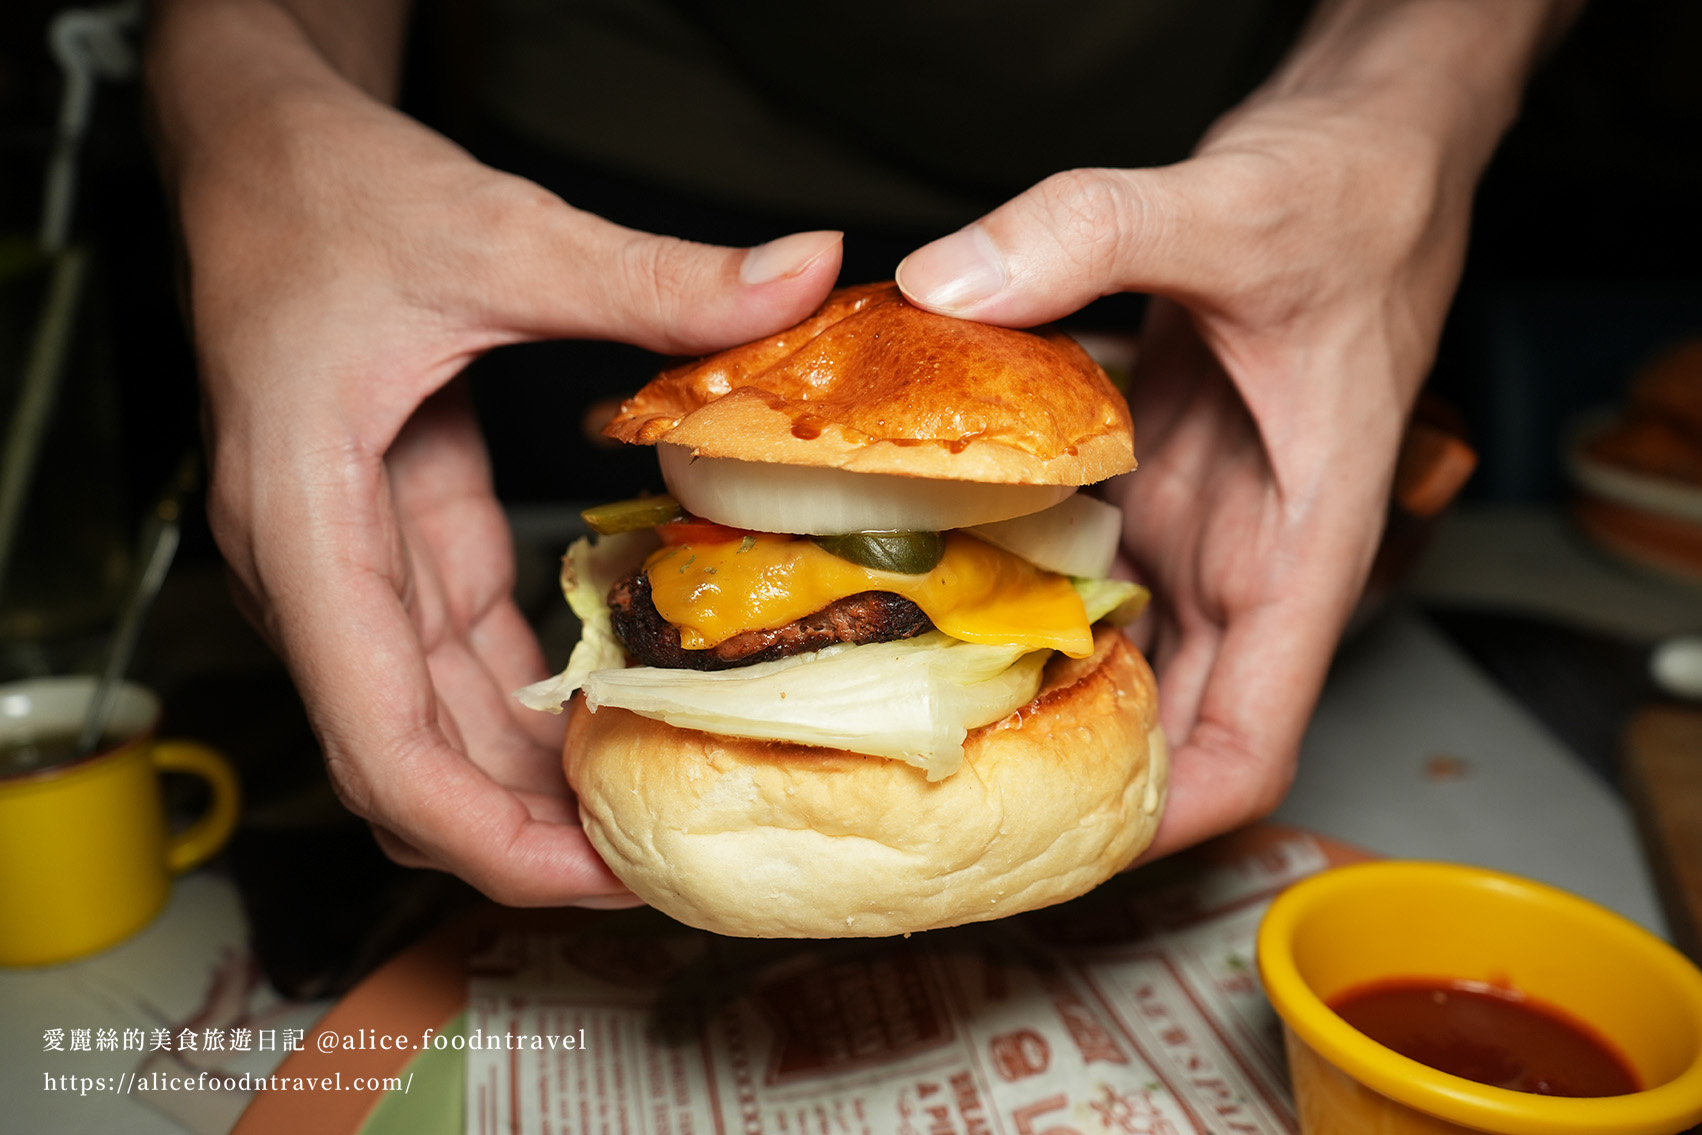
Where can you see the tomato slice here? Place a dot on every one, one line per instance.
(693, 530)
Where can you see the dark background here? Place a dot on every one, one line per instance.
(1584, 257)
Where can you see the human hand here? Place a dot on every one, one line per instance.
(344, 264)
(1304, 259)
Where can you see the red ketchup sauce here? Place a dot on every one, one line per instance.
(1494, 1036)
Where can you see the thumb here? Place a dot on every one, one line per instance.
(594, 279)
(1067, 241)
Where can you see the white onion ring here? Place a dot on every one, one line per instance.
(1078, 536)
(817, 501)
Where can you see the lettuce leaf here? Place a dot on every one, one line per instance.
(914, 700)
(587, 572)
(1118, 601)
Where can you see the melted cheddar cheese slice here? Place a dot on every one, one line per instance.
(976, 593)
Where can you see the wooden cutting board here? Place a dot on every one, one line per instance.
(1661, 770)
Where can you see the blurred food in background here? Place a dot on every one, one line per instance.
(1637, 468)
(1660, 432)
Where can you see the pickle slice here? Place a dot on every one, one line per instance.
(907, 553)
(631, 515)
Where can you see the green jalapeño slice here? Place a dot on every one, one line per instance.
(907, 553)
(632, 515)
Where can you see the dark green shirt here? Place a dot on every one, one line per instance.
(890, 112)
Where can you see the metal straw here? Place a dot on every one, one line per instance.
(160, 546)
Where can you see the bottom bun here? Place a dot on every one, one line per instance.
(760, 839)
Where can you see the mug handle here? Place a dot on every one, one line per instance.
(201, 840)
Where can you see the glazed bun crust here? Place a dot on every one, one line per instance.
(765, 840)
(871, 384)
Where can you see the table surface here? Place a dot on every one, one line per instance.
(1413, 752)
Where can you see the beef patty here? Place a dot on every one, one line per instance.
(868, 616)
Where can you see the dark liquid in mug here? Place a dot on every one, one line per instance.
(20, 756)
(1493, 1036)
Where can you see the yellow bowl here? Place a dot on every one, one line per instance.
(1394, 919)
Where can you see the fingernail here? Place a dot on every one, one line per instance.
(955, 273)
(785, 257)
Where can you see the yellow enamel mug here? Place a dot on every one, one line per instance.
(86, 859)
(1369, 922)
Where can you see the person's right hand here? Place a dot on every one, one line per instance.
(344, 264)
(1302, 261)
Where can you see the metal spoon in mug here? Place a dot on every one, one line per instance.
(159, 547)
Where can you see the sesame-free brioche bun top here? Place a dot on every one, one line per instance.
(872, 384)
(764, 839)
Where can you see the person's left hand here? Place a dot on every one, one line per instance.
(344, 264)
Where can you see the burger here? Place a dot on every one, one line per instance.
(860, 672)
